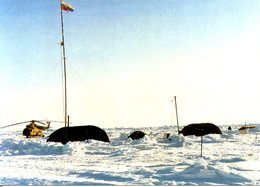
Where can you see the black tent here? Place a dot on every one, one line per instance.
(136, 135)
(78, 133)
(200, 129)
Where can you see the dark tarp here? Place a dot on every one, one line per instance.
(136, 135)
(78, 133)
(200, 129)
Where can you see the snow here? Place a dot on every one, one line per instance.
(228, 159)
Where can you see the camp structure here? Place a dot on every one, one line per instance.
(167, 136)
(136, 135)
(200, 129)
(246, 127)
(76, 133)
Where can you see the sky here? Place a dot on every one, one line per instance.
(127, 59)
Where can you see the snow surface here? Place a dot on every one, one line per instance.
(228, 159)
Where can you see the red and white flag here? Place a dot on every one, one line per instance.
(66, 6)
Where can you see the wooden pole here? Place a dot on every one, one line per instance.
(177, 114)
(201, 146)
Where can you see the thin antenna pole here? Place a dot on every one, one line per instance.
(172, 112)
(176, 114)
(64, 64)
(201, 146)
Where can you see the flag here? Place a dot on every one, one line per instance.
(66, 7)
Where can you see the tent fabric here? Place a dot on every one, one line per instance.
(200, 129)
(136, 135)
(78, 133)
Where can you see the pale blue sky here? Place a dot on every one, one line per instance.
(128, 58)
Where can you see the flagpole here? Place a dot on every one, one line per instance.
(64, 67)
